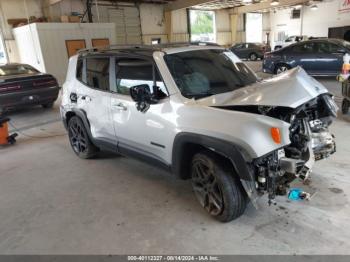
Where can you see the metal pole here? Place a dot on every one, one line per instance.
(301, 19)
(88, 8)
(2, 37)
(97, 11)
(26, 10)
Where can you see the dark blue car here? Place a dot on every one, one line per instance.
(319, 57)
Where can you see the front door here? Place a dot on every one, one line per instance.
(94, 97)
(330, 60)
(138, 132)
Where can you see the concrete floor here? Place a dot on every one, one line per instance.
(51, 202)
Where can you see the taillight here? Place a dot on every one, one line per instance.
(7, 88)
(45, 82)
(267, 55)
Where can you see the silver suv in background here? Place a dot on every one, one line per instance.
(201, 114)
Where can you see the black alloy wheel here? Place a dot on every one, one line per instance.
(206, 188)
(79, 139)
(216, 187)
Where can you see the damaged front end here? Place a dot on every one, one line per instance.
(310, 141)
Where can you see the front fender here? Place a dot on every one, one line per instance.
(237, 156)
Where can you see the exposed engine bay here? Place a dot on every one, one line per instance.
(310, 141)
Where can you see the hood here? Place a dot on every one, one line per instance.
(290, 89)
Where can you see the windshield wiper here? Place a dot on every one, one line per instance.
(198, 95)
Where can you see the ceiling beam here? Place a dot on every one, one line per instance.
(266, 5)
(181, 4)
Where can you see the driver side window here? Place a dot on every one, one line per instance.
(134, 72)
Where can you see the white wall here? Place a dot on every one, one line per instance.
(29, 49)
(64, 7)
(152, 23)
(223, 27)
(10, 9)
(16, 9)
(179, 26)
(315, 23)
(43, 45)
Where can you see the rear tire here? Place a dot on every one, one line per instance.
(217, 187)
(253, 57)
(79, 139)
(48, 105)
(280, 68)
(345, 106)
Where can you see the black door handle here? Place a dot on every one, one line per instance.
(85, 98)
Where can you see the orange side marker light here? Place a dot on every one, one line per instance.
(276, 135)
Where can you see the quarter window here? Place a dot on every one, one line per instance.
(80, 65)
(97, 72)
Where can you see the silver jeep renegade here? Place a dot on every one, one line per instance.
(201, 114)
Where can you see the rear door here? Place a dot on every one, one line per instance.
(93, 90)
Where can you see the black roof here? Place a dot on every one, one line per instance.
(146, 50)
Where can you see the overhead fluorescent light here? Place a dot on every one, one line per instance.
(298, 6)
(246, 1)
(274, 2)
(314, 7)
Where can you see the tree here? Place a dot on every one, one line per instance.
(203, 23)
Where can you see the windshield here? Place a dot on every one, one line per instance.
(346, 44)
(203, 73)
(9, 70)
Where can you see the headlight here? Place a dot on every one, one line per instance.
(330, 105)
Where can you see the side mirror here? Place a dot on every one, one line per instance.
(141, 94)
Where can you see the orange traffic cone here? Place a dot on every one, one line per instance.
(5, 138)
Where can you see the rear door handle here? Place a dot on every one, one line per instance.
(120, 106)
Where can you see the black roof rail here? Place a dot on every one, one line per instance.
(144, 47)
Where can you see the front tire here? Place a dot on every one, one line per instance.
(217, 188)
(345, 106)
(79, 139)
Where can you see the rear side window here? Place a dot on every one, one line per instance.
(324, 47)
(97, 72)
(79, 71)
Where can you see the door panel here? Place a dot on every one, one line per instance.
(94, 97)
(141, 132)
(329, 60)
(73, 46)
(145, 133)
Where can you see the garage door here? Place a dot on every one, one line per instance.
(128, 24)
